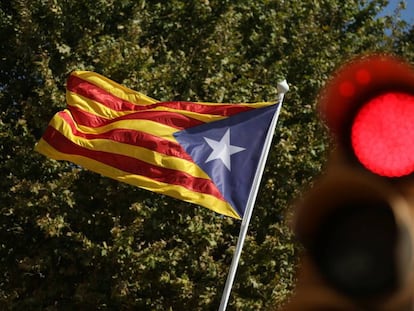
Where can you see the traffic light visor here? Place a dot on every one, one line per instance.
(368, 106)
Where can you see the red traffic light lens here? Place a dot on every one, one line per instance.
(382, 134)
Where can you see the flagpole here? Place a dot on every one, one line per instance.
(282, 88)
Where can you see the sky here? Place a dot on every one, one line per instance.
(407, 14)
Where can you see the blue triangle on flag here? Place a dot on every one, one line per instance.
(229, 151)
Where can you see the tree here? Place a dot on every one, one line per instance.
(71, 239)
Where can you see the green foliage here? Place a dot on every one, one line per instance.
(71, 239)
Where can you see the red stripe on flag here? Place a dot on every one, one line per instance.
(131, 165)
(173, 119)
(93, 92)
(132, 137)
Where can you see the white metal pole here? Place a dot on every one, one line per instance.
(282, 88)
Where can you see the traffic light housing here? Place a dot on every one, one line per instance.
(369, 108)
(357, 222)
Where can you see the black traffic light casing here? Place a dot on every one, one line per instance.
(357, 222)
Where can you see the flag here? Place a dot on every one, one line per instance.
(203, 153)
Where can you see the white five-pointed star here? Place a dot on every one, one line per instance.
(222, 149)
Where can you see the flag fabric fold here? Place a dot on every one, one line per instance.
(203, 153)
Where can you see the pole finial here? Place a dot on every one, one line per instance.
(282, 87)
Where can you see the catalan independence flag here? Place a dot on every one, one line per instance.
(204, 153)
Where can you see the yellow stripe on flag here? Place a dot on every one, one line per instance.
(140, 153)
(94, 107)
(175, 191)
(140, 99)
(115, 88)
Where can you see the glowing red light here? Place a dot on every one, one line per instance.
(382, 135)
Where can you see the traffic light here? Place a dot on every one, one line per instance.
(357, 222)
